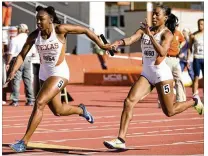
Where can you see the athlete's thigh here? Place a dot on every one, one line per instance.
(165, 94)
(55, 104)
(140, 89)
(50, 88)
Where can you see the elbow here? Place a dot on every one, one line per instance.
(86, 31)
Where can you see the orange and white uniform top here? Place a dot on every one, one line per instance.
(49, 51)
(153, 73)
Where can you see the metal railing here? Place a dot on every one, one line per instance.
(65, 17)
(119, 31)
(23, 9)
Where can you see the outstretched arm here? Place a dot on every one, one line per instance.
(75, 29)
(20, 58)
(129, 40)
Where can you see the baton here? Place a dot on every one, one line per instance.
(106, 42)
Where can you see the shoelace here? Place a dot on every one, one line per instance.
(114, 140)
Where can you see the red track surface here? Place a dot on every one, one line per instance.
(150, 132)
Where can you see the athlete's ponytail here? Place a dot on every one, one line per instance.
(51, 11)
(172, 20)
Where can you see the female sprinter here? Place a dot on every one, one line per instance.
(154, 42)
(50, 41)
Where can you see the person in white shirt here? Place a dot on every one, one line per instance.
(197, 43)
(24, 72)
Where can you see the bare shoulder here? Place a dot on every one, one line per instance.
(62, 28)
(33, 35)
(167, 34)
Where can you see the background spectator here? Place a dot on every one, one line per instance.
(6, 13)
(197, 42)
(172, 61)
(24, 71)
(183, 54)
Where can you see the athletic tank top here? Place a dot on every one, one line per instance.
(199, 46)
(149, 54)
(49, 49)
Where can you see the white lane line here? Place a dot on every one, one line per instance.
(128, 136)
(100, 129)
(167, 130)
(106, 111)
(170, 144)
(179, 129)
(78, 128)
(153, 132)
(135, 121)
(137, 133)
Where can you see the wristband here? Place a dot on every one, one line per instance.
(123, 42)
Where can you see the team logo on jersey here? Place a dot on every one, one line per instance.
(146, 41)
(44, 47)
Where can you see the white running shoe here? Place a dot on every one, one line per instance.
(114, 144)
(199, 106)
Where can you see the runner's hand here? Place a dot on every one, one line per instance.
(9, 78)
(146, 27)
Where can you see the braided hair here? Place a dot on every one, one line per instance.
(51, 11)
(172, 20)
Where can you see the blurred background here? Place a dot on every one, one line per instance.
(116, 20)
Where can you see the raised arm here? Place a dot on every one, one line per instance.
(75, 29)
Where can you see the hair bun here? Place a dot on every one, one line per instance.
(168, 11)
(38, 8)
(50, 9)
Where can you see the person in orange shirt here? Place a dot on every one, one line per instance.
(173, 62)
(6, 13)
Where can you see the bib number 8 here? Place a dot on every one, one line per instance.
(166, 88)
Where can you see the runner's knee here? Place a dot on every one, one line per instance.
(129, 104)
(40, 104)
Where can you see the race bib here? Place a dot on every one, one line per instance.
(48, 58)
(149, 53)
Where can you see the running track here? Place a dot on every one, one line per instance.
(150, 132)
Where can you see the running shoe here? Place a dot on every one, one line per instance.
(14, 103)
(18, 146)
(114, 144)
(199, 105)
(86, 114)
